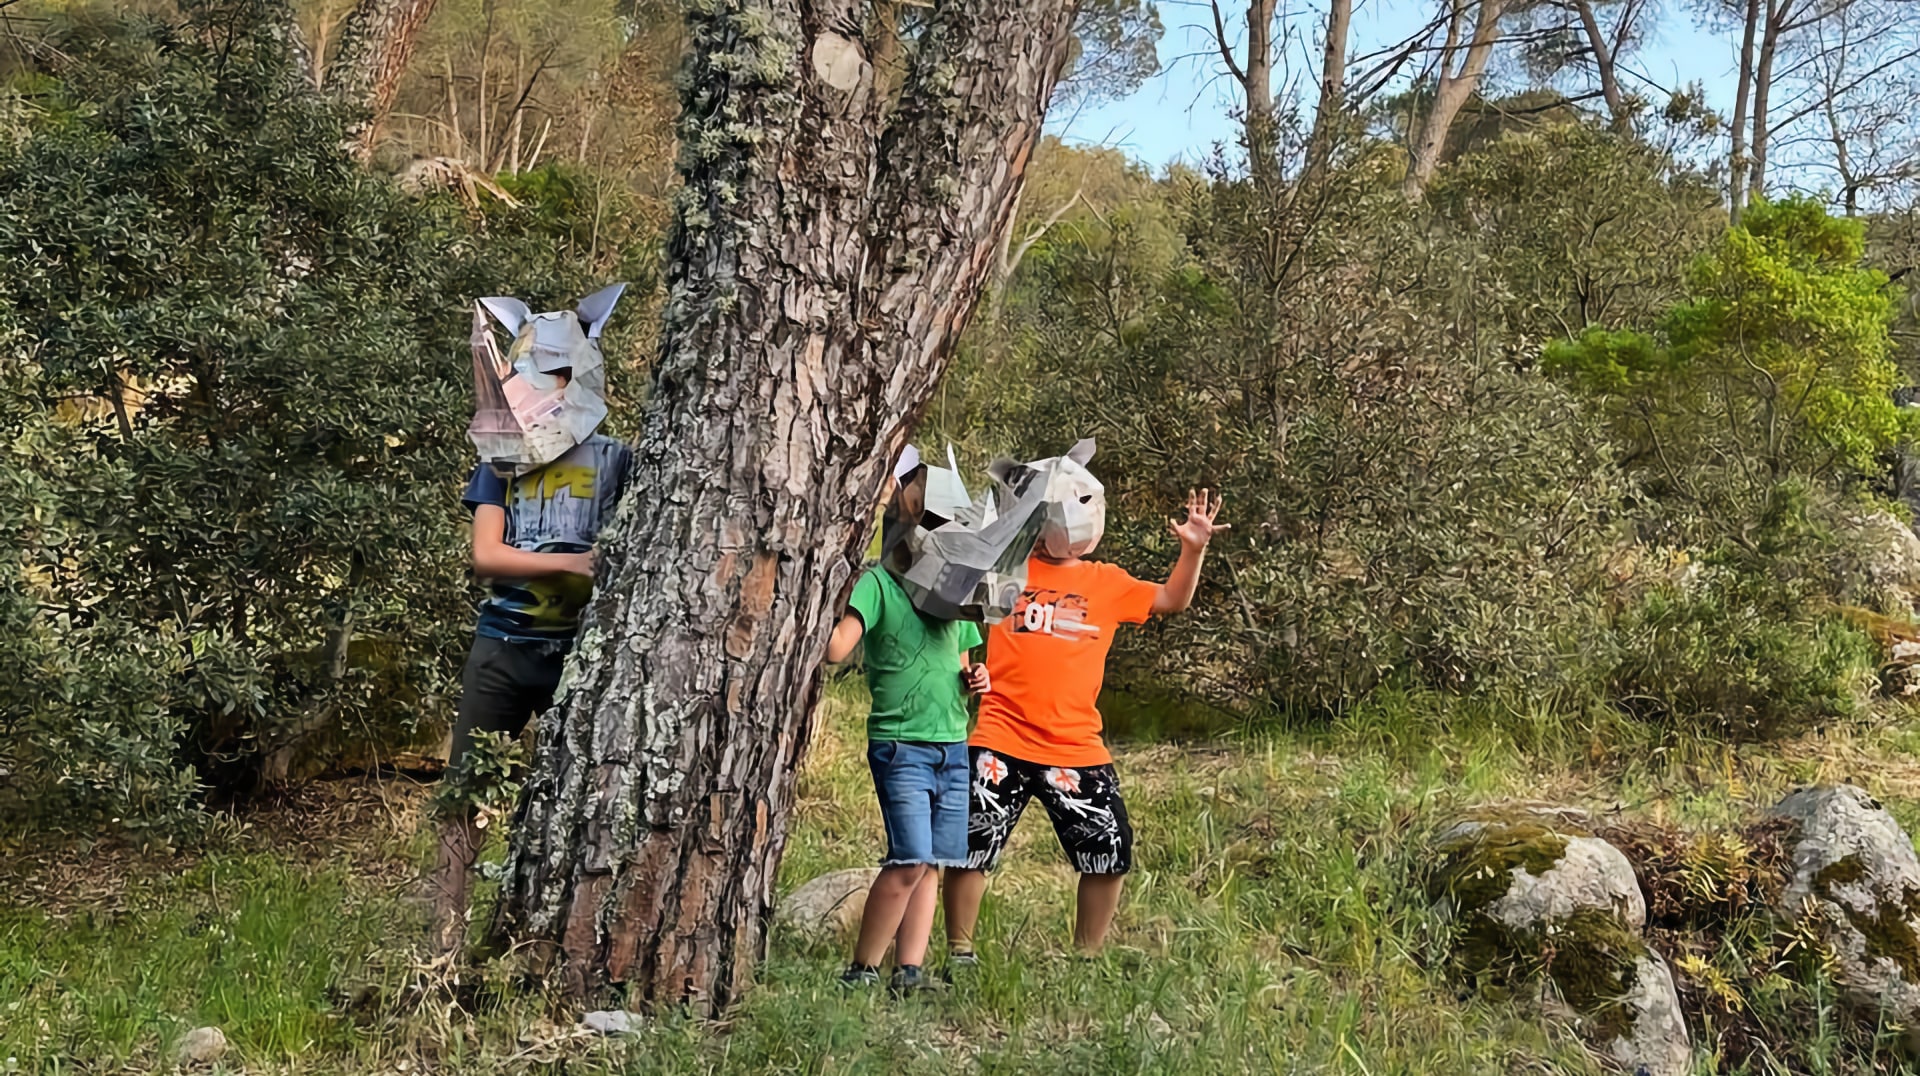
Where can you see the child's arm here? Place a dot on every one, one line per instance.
(1194, 534)
(846, 636)
(493, 558)
(975, 676)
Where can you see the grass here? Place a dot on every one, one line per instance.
(1268, 927)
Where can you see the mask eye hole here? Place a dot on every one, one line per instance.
(1086, 498)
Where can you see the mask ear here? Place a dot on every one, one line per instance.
(510, 313)
(1081, 452)
(903, 467)
(595, 309)
(903, 511)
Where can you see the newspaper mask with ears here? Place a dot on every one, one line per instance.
(1076, 503)
(523, 417)
(958, 557)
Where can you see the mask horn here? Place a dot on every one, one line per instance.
(1081, 452)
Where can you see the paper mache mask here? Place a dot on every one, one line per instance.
(523, 417)
(957, 557)
(1076, 503)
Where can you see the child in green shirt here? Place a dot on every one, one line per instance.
(919, 674)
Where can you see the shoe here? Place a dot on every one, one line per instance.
(910, 979)
(858, 976)
(962, 967)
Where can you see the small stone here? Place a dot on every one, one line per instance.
(202, 1046)
(1536, 883)
(1589, 874)
(612, 1022)
(1885, 554)
(830, 905)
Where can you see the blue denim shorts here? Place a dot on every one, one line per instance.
(923, 800)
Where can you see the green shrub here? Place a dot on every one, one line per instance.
(1745, 642)
(1776, 367)
(238, 384)
(1408, 506)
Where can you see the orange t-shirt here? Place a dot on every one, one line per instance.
(1048, 658)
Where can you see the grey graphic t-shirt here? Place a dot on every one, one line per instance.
(558, 508)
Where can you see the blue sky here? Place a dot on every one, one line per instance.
(1184, 110)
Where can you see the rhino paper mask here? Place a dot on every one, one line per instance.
(957, 557)
(1076, 503)
(523, 416)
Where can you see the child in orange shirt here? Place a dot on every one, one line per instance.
(1039, 729)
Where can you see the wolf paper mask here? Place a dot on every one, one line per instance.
(959, 558)
(523, 416)
(1076, 503)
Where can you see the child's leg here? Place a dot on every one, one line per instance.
(964, 888)
(887, 912)
(1090, 819)
(502, 686)
(905, 778)
(916, 926)
(1094, 905)
(998, 791)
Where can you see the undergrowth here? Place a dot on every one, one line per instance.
(1268, 925)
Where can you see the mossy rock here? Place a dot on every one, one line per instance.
(1855, 876)
(1533, 896)
(1531, 868)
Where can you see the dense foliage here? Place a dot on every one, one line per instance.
(235, 417)
(1556, 433)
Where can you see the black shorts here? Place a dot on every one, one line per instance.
(505, 683)
(1084, 803)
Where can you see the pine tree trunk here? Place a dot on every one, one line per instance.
(377, 40)
(818, 276)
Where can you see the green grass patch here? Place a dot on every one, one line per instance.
(1271, 924)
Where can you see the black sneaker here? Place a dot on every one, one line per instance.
(910, 979)
(858, 976)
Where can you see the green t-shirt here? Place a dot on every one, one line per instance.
(913, 664)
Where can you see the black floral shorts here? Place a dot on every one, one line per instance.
(1083, 801)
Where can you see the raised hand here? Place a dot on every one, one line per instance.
(1199, 527)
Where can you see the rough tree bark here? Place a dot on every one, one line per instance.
(1455, 87)
(376, 41)
(818, 275)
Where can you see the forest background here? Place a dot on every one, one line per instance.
(1534, 391)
